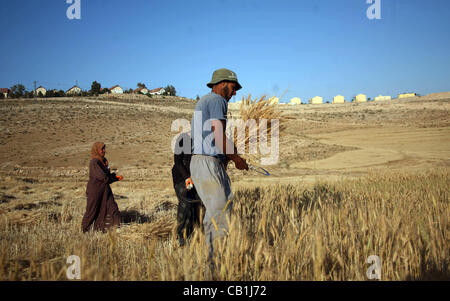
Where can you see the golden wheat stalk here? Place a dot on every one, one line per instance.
(257, 117)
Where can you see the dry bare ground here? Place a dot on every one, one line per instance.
(352, 180)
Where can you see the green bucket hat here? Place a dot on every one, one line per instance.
(223, 74)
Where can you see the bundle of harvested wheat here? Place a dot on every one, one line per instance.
(258, 120)
(162, 228)
(20, 218)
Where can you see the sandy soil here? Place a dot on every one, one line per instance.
(44, 147)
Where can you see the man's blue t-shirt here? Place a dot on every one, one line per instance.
(210, 107)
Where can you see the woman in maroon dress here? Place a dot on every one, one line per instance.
(101, 209)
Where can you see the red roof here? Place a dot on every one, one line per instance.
(4, 90)
(114, 87)
(155, 90)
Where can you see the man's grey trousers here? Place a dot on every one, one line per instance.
(214, 189)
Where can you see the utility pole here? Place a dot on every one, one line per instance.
(34, 92)
(76, 85)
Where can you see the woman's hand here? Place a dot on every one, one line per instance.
(189, 184)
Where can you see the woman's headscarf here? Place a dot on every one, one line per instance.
(95, 152)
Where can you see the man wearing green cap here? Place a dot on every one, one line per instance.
(211, 149)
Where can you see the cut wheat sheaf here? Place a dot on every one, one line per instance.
(258, 120)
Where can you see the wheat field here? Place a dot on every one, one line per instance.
(351, 182)
(276, 233)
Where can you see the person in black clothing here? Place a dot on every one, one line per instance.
(189, 203)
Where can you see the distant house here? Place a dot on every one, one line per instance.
(42, 90)
(75, 90)
(316, 100)
(406, 95)
(142, 90)
(116, 89)
(381, 97)
(157, 91)
(338, 99)
(360, 98)
(5, 92)
(295, 101)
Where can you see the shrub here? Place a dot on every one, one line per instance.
(60, 93)
(50, 93)
(28, 94)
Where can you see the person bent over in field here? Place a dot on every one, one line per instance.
(189, 203)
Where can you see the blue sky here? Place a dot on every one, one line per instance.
(292, 48)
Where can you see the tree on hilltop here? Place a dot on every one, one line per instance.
(17, 91)
(141, 85)
(170, 90)
(95, 88)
